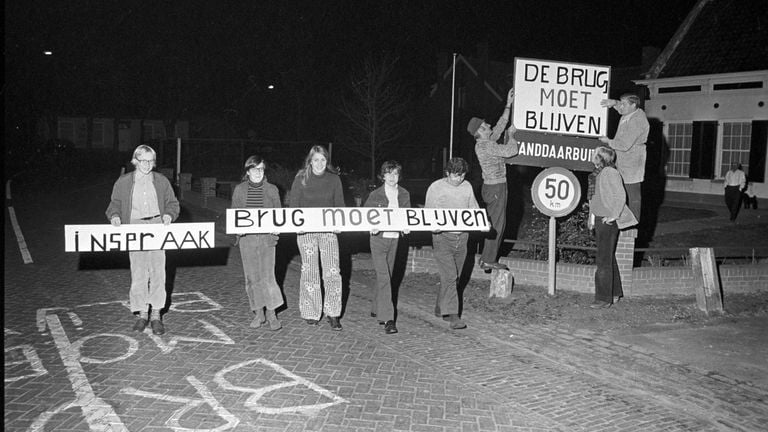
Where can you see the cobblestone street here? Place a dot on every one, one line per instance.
(72, 362)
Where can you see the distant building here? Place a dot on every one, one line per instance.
(708, 99)
(117, 134)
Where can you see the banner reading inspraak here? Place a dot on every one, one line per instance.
(557, 112)
(345, 219)
(138, 237)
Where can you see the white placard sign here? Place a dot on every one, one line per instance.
(560, 98)
(344, 219)
(138, 237)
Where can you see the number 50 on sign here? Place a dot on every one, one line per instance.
(556, 191)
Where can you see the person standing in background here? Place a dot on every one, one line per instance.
(734, 184)
(316, 185)
(257, 251)
(145, 197)
(750, 197)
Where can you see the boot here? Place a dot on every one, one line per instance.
(274, 323)
(259, 319)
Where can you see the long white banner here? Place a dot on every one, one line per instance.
(138, 237)
(341, 219)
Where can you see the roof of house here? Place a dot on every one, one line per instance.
(717, 36)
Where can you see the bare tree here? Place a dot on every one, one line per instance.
(375, 108)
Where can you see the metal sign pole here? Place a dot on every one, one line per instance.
(453, 97)
(551, 256)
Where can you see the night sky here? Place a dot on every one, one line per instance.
(216, 58)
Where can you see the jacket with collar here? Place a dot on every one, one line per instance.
(122, 193)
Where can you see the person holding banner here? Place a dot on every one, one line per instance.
(384, 244)
(450, 248)
(493, 158)
(316, 185)
(258, 250)
(145, 197)
(629, 144)
(608, 214)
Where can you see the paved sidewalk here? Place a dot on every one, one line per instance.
(73, 364)
(659, 363)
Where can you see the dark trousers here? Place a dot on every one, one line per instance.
(450, 251)
(383, 253)
(607, 277)
(495, 198)
(634, 198)
(733, 200)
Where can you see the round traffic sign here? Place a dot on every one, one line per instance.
(556, 191)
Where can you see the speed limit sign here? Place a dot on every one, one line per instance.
(556, 191)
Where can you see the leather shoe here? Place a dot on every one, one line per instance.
(157, 327)
(597, 304)
(492, 266)
(312, 322)
(140, 325)
(390, 328)
(335, 324)
(457, 323)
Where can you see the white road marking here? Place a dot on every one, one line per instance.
(31, 357)
(207, 397)
(253, 401)
(75, 319)
(25, 255)
(133, 346)
(99, 415)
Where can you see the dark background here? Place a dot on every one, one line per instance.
(210, 62)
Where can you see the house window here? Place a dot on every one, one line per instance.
(737, 138)
(148, 132)
(679, 141)
(97, 136)
(67, 130)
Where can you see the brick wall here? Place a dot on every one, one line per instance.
(581, 278)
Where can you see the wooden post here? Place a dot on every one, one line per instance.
(501, 284)
(706, 280)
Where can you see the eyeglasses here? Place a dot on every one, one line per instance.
(145, 161)
(257, 169)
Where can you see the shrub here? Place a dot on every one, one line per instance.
(571, 230)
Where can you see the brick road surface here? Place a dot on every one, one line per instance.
(73, 363)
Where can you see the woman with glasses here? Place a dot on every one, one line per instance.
(317, 185)
(145, 197)
(258, 250)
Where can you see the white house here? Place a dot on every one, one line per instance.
(709, 91)
(120, 134)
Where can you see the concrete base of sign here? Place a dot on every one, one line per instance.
(502, 282)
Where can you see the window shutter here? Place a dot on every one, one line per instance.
(757, 149)
(703, 144)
